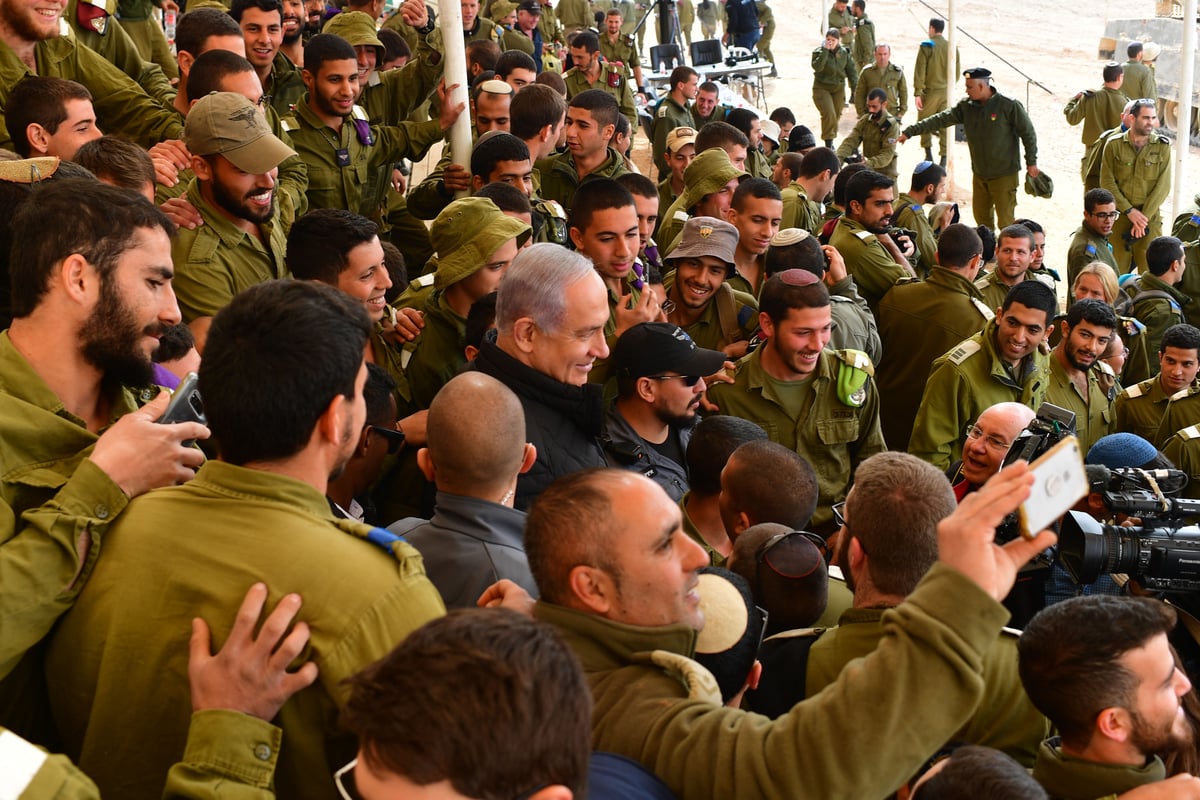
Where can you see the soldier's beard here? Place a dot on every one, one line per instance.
(111, 339)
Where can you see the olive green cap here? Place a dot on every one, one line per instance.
(356, 28)
(1041, 186)
(708, 173)
(227, 124)
(466, 234)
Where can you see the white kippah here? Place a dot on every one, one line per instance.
(789, 236)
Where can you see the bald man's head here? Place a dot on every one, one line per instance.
(996, 429)
(476, 433)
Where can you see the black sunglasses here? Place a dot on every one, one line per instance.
(393, 437)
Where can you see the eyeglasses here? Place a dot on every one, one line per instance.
(264, 101)
(1140, 103)
(668, 306)
(839, 514)
(393, 437)
(688, 380)
(771, 544)
(344, 780)
(1105, 215)
(993, 441)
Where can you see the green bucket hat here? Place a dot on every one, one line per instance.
(1041, 186)
(466, 234)
(357, 28)
(708, 173)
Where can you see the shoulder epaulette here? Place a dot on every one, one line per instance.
(864, 235)
(1137, 390)
(551, 207)
(64, 28)
(856, 359)
(682, 215)
(964, 351)
(289, 124)
(1106, 369)
(928, 43)
(982, 282)
(983, 309)
(700, 683)
(359, 112)
(423, 281)
(1182, 393)
(1190, 432)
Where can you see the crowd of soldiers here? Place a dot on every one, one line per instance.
(695, 443)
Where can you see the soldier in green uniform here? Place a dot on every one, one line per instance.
(1086, 330)
(994, 124)
(96, 26)
(708, 107)
(235, 158)
(766, 18)
(842, 18)
(920, 321)
(1139, 78)
(1136, 167)
(618, 48)
(930, 91)
(679, 152)
(882, 74)
(803, 192)
(591, 120)
(476, 27)
(833, 68)
(138, 20)
(862, 44)
(819, 402)
(575, 16)
(592, 72)
(1004, 362)
(1099, 110)
(262, 26)
(875, 132)
(1140, 408)
(673, 112)
(1187, 228)
(872, 257)
(910, 213)
(1090, 241)
(1152, 297)
(1183, 448)
(551, 29)
(1014, 261)
(708, 186)
(706, 11)
(686, 10)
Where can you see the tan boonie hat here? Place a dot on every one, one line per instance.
(708, 173)
(680, 136)
(466, 234)
(707, 236)
(28, 170)
(227, 124)
(358, 29)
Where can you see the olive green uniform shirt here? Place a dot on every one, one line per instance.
(891, 79)
(994, 290)
(1093, 415)
(1140, 408)
(560, 178)
(867, 260)
(577, 82)
(1087, 246)
(575, 15)
(911, 216)
(1183, 448)
(1183, 411)
(853, 323)
(799, 211)
(670, 115)
(1156, 313)
(731, 316)
(918, 322)
(877, 138)
(1139, 81)
(963, 384)
(714, 557)
(224, 530)
(1138, 179)
(929, 73)
(1187, 228)
(1065, 777)
(1005, 719)
(1098, 110)
(218, 259)
(832, 436)
(438, 354)
(862, 46)
(285, 85)
(842, 19)
(831, 68)
(994, 128)
(116, 46)
(622, 51)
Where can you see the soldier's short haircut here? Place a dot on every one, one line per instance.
(393, 260)
(957, 245)
(1015, 231)
(975, 771)
(534, 107)
(319, 243)
(743, 120)
(711, 87)
(554, 80)
(600, 104)
(938, 24)
(1069, 658)
(497, 664)
(843, 178)
(1032, 225)
(1097, 197)
(1032, 294)
(40, 100)
(196, 27)
(506, 197)
(1112, 71)
(513, 59)
(860, 187)
(1182, 337)
(623, 127)
(498, 147)
(930, 176)
(1093, 312)
(770, 483)
(117, 161)
(719, 134)
(783, 116)
(818, 160)
(758, 188)
(1162, 253)
(535, 286)
(210, 70)
(639, 185)
(681, 74)
(483, 52)
(777, 297)
(894, 510)
(792, 163)
(275, 358)
(861, 5)
(95, 220)
(877, 94)
(1133, 49)
(805, 254)
(601, 194)
(713, 441)
(588, 40)
(325, 47)
(395, 47)
(238, 7)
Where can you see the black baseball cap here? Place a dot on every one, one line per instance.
(652, 348)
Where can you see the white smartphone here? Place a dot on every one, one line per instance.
(1060, 481)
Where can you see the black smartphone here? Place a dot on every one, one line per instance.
(186, 405)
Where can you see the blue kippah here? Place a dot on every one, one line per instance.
(1121, 450)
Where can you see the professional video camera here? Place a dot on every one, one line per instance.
(1051, 425)
(1163, 553)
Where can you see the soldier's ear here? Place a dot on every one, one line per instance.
(38, 138)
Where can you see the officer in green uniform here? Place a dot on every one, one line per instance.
(875, 132)
(551, 30)
(922, 320)
(821, 403)
(800, 210)
(930, 91)
(1074, 383)
(709, 173)
(862, 44)
(911, 213)
(1187, 229)
(706, 12)
(883, 74)
(766, 18)
(280, 77)
(1099, 110)
(842, 18)
(994, 123)
(561, 173)
(833, 68)
(1152, 297)
(619, 48)
(1139, 78)
(474, 241)
(678, 158)
(1136, 167)
(1004, 362)
(872, 257)
(96, 26)
(686, 10)
(1141, 408)
(575, 16)
(1090, 241)
(228, 253)
(592, 72)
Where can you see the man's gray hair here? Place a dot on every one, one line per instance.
(535, 285)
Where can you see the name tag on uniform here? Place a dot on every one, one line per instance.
(343, 157)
